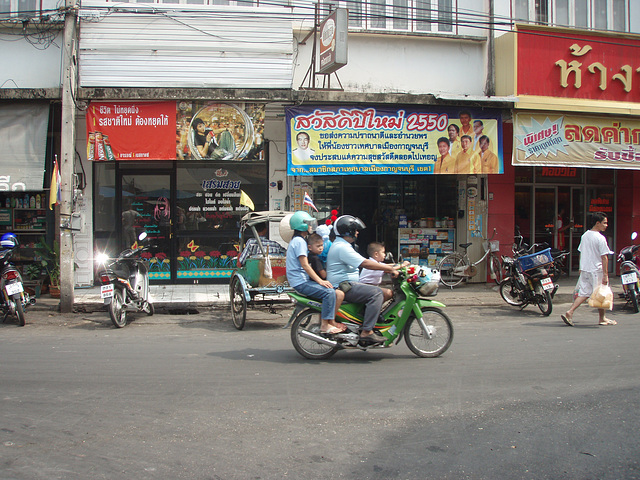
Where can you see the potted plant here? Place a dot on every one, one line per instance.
(34, 273)
(50, 262)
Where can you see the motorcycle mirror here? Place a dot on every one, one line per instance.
(634, 235)
(388, 258)
(142, 236)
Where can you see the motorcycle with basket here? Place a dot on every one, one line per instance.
(125, 282)
(427, 330)
(528, 281)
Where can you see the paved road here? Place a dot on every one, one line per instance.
(517, 396)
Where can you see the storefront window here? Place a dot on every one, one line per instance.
(210, 202)
(600, 176)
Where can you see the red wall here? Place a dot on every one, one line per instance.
(628, 208)
(502, 187)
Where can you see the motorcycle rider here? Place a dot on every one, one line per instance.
(343, 263)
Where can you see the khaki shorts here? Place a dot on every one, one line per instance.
(587, 282)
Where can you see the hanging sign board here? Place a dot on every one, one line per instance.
(333, 41)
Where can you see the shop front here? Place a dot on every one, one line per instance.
(416, 175)
(185, 172)
(576, 129)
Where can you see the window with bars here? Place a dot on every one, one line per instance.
(591, 14)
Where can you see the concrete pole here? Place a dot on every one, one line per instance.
(67, 155)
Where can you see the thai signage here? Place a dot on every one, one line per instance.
(576, 141)
(556, 63)
(326, 140)
(333, 41)
(182, 130)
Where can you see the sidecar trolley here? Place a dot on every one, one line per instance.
(262, 279)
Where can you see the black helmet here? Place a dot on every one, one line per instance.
(347, 225)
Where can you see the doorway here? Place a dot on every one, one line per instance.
(145, 205)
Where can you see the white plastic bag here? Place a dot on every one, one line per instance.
(602, 297)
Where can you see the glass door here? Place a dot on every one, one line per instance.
(545, 215)
(146, 206)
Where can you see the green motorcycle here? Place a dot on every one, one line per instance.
(426, 329)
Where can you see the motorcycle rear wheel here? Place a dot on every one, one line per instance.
(633, 297)
(510, 293)
(17, 300)
(309, 320)
(442, 334)
(117, 312)
(545, 304)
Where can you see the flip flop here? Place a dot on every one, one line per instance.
(608, 321)
(331, 330)
(567, 319)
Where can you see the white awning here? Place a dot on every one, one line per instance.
(23, 143)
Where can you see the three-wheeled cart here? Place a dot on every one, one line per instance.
(262, 280)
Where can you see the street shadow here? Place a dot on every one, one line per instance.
(290, 356)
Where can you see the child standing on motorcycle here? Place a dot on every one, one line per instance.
(303, 278)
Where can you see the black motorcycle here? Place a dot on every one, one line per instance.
(630, 275)
(528, 281)
(125, 283)
(14, 299)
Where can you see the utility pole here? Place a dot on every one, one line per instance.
(490, 84)
(67, 154)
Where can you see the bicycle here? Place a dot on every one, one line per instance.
(456, 267)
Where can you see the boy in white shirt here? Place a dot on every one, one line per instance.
(376, 252)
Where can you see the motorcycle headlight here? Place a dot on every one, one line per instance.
(102, 258)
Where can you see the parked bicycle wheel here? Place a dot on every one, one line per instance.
(452, 269)
(495, 269)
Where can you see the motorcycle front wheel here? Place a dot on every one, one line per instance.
(434, 342)
(147, 308)
(309, 320)
(511, 293)
(633, 297)
(17, 300)
(544, 300)
(117, 312)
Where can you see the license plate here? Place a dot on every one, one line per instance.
(547, 283)
(628, 278)
(13, 288)
(106, 291)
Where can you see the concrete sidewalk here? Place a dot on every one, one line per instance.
(168, 298)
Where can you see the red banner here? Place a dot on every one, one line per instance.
(556, 63)
(131, 131)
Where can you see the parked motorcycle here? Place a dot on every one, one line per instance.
(427, 330)
(528, 281)
(14, 299)
(556, 268)
(125, 283)
(630, 275)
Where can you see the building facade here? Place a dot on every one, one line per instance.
(246, 73)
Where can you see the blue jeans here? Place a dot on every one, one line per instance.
(318, 292)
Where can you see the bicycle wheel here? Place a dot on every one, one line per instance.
(495, 269)
(309, 320)
(238, 303)
(451, 268)
(436, 340)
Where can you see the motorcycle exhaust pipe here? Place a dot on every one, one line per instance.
(317, 338)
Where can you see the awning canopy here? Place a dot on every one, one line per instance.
(23, 143)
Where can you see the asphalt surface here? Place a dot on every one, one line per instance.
(517, 395)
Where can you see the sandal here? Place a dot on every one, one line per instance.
(608, 321)
(331, 330)
(568, 319)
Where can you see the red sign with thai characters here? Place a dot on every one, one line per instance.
(131, 131)
(556, 63)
